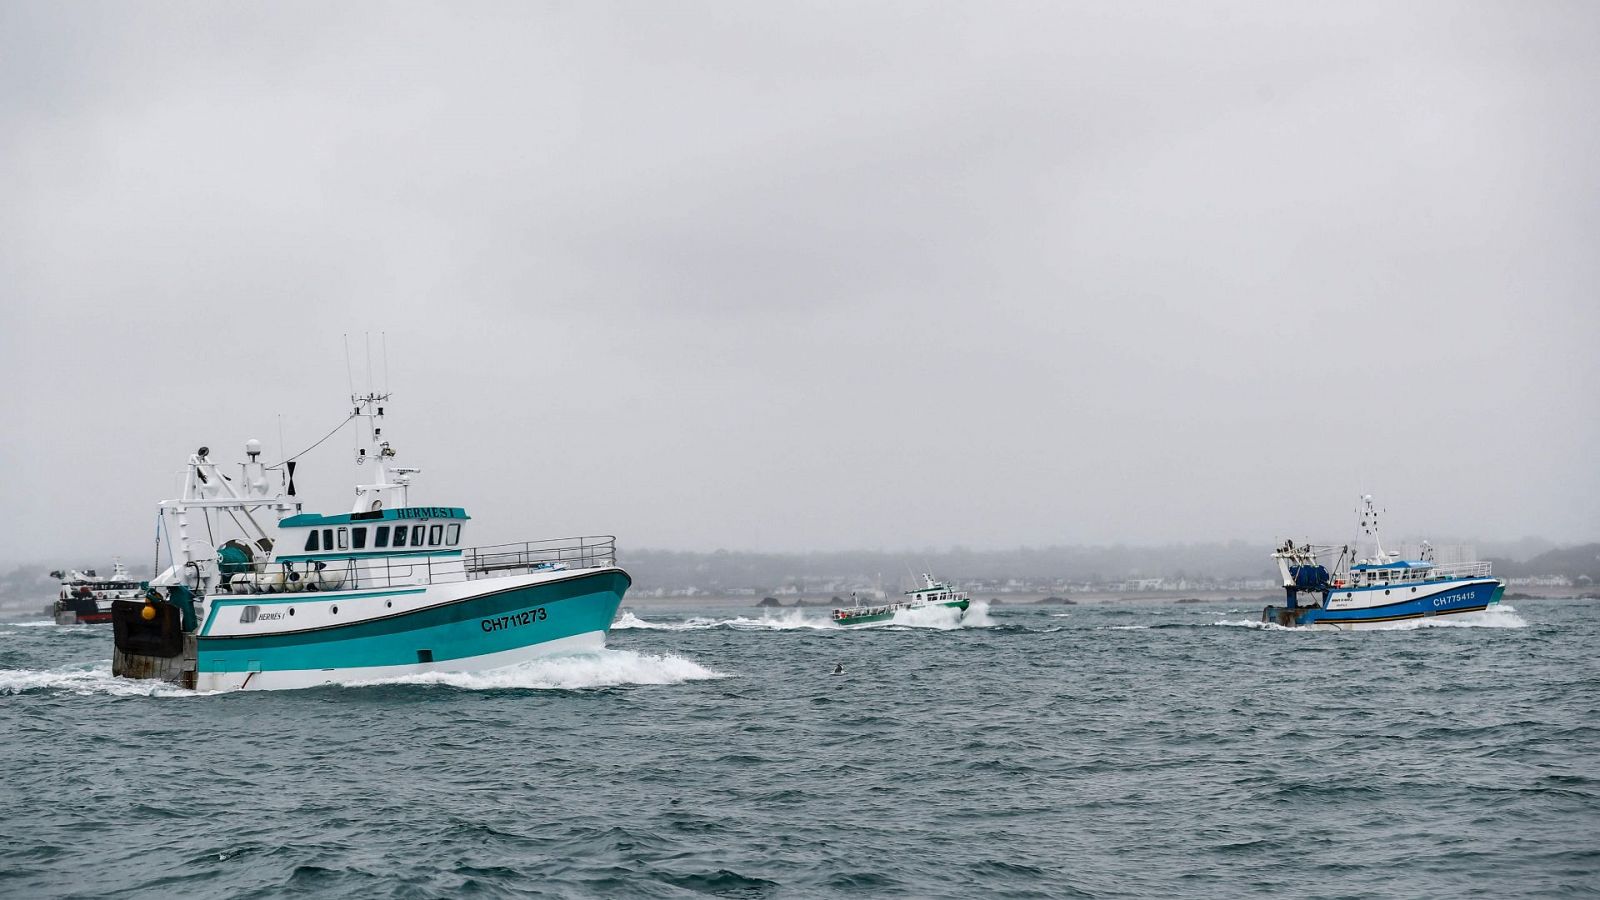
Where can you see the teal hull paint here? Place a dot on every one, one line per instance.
(218, 605)
(490, 623)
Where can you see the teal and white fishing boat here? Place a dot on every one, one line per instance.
(388, 589)
(931, 594)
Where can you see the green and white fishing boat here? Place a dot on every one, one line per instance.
(931, 594)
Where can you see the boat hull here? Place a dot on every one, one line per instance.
(72, 617)
(882, 618)
(1356, 610)
(463, 627)
(295, 679)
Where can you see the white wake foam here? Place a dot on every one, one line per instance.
(1498, 616)
(784, 621)
(578, 671)
(85, 680)
(793, 619)
(944, 618)
(1256, 623)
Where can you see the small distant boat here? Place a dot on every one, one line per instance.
(86, 597)
(1349, 594)
(931, 594)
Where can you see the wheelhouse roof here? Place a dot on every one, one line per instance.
(403, 513)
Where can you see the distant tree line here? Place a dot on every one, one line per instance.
(725, 569)
(1582, 561)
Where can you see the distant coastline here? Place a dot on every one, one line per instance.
(1093, 597)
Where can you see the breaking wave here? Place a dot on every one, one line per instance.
(578, 671)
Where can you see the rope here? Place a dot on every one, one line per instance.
(317, 444)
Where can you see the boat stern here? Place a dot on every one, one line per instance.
(149, 641)
(1288, 616)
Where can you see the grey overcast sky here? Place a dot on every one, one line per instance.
(808, 276)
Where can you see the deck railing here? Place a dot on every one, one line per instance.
(336, 573)
(1461, 570)
(572, 553)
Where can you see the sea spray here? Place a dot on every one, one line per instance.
(944, 618)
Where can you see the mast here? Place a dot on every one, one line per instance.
(391, 484)
(1369, 525)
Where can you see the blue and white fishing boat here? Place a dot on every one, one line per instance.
(389, 589)
(1348, 594)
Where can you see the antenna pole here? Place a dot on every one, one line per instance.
(350, 377)
(367, 336)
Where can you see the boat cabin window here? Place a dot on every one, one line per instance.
(344, 539)
(311, 541)
(452, 534)
(358, 538)
(416, 535)
(435, 535)
(399, 535)
(327, 538)
(381, 538)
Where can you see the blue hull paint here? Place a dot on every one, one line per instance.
(489, 623)
(1469, 597)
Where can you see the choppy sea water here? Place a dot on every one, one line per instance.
(1087, 751)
